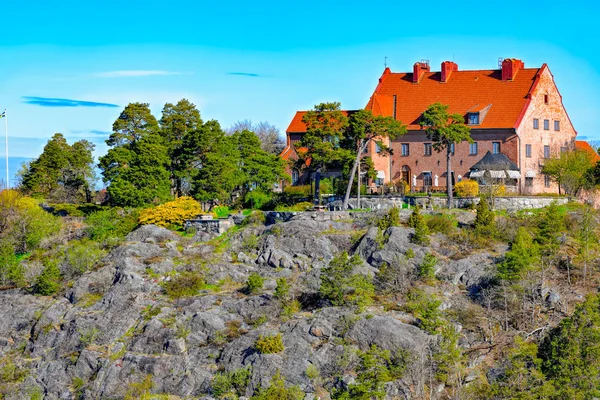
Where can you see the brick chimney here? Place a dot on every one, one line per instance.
(447, 68)
(419, 69)
(510, 67)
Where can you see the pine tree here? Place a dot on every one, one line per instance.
(48, 282)
(523, 255)
(136, 167)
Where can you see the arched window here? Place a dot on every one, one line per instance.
(295, 176)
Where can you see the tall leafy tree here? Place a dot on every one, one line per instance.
(325, 128)
(136, 167)
(213, 160)
(178, 121)
(259, 168)
(364, 128)
(445, 130)
(62, 172)
(269, 135)
(569, 170)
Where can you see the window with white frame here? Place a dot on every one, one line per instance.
(528, 150)
(428, 149)
(295, 176)
(495, 147)
(405, 149)
(473, 148)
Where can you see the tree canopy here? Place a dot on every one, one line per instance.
(136, 167)
(445, 130)
(569, 170)
(62, 173)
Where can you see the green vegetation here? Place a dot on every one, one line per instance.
(416, 221)
(63, 173)
(48, 282)
(229, 384)
(392, 218)
(343, 287)
(185, 284)
(445, 130)
(278, 391)
(426, 269)
(269, 344)
(255, 283)
(375, 368)
(172, 213)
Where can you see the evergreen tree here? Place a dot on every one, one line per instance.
(177, 122)
(416, 221)
(62, 173)
(136, 167)
(550, 225)
(523, 255)
(48, 282)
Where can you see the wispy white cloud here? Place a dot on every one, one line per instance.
(134, 73)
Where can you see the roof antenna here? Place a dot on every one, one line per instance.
(500, 59)
(385, 62)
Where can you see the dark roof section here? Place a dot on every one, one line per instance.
(494, 162)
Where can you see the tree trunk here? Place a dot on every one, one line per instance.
(449, 174)
(317, 199)
(361, 147)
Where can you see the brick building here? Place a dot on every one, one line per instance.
(513, 111)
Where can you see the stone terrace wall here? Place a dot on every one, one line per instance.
(509, 203)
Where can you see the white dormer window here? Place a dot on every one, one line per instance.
(473, 118)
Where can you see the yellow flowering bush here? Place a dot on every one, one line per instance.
(171, 213)
(466, 188)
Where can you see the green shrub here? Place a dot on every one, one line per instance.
(269, 344)
(112, 223)
(232, 383)
(425, 307)
(80, 256)
(440, 223)
(140, 390)
(221, 211)
(392, 218)
(291, 308)
(48, 282)
(282, 289)
(255, 283)
(11, 270)
(186, 284)
(415, 217)
(427, 267)
(421, 235)
(278, 391)
(250, 243)
(297, 207)
(299, 190)
(410, 253)
(256, 199)
(342, 287)
(484, 221)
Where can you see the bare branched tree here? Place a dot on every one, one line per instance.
(269, 135)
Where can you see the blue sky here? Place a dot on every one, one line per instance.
(71, 66)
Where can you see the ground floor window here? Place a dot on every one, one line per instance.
(546, 180)
(528, 182)
(295, 176)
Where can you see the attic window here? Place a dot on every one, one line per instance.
(473, 118)
(545, 99)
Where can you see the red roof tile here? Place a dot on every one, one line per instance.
(297, 126)
(585, 146)
(464, 90)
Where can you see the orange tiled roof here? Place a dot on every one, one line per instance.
(297, 126)
(464, 90)
(585, 146)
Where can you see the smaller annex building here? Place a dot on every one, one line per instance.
(513, 111)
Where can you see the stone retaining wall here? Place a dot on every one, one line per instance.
(509, 203)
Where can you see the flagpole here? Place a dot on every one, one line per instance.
(6, 147)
